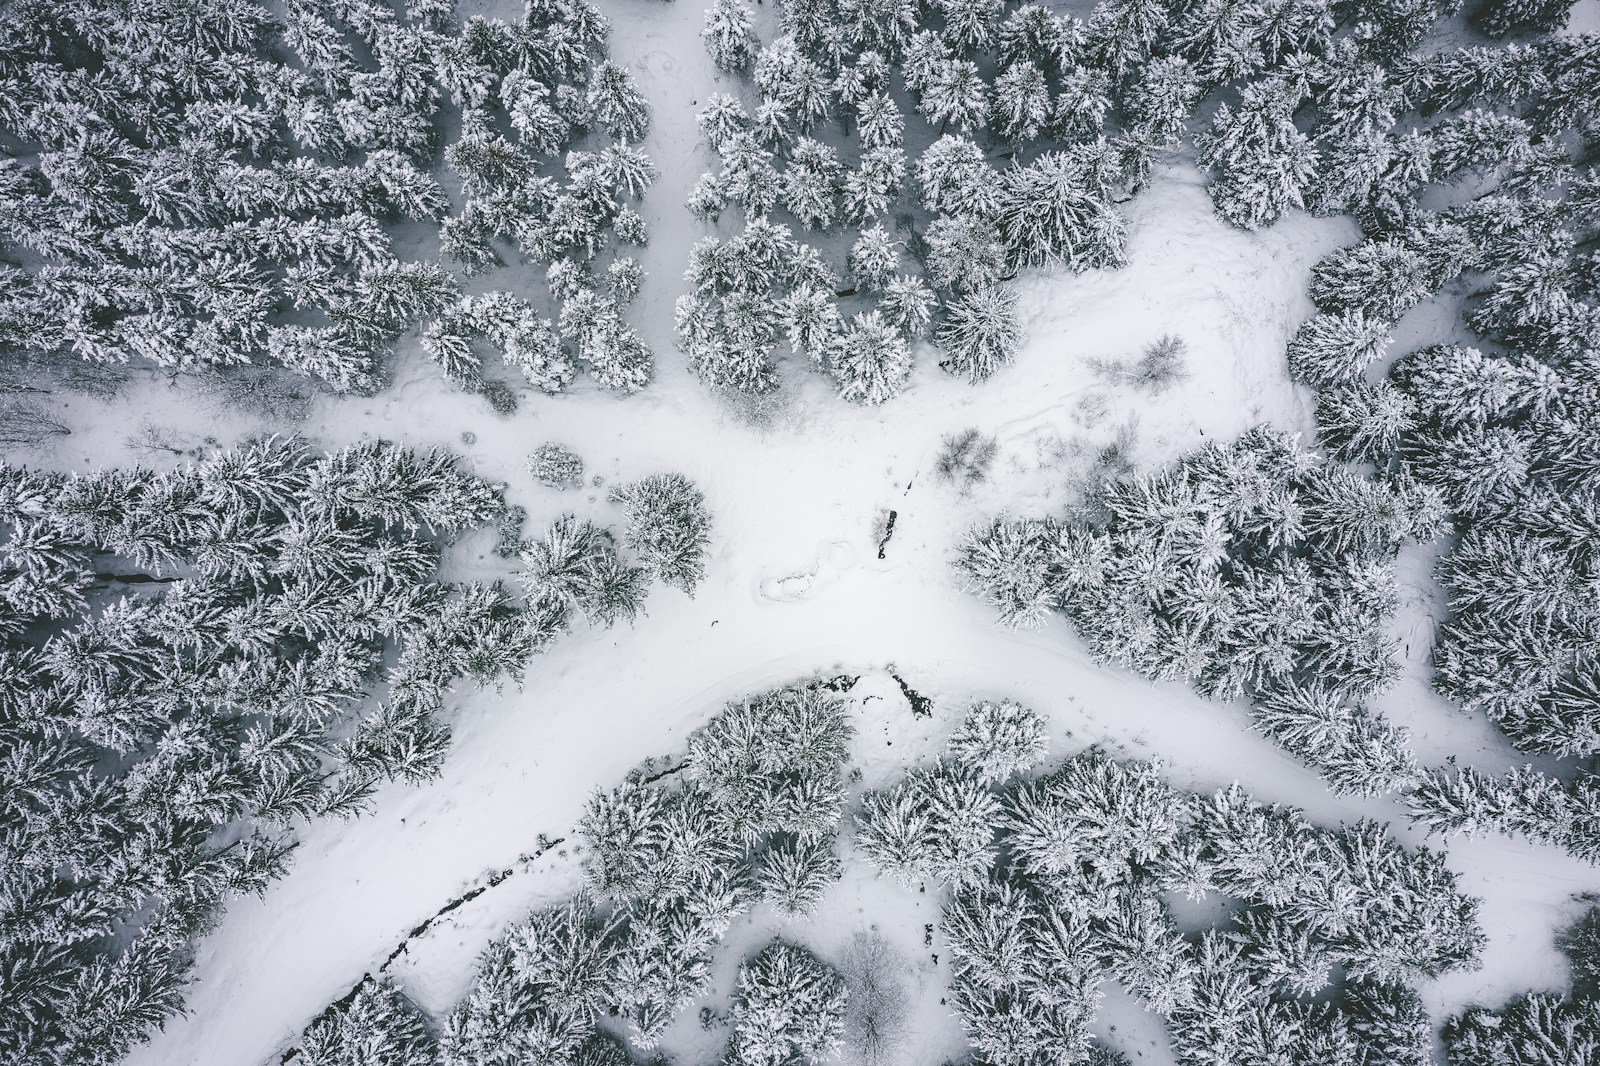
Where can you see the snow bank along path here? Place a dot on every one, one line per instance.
(794, 586)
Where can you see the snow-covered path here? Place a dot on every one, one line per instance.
(795, 586)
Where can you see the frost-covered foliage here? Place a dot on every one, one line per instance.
(216, 183)
(376, 1025)
(1494, 438)
(189, 659)
(1060, 887)
(556, 466)
(1067, 892)
(936, 824)
(1525, 803)
(1016, 120)
(1159, 367)
(667, 527)
(1246, 569)
(788, 1009)
(754, 817)
(979, 332)
(575, 566)
(538, 991)
(997, 740)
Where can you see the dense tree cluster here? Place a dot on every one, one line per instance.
(987, 138)
(213, 183)
(1249, 569)
(1498, 428)
(753, 817)
(188, 658)
(1011, 133)
(1063, 888)
(1064, 885)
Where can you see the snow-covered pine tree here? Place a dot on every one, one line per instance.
(870, 360)
(1363, 421)
(810, 183)
(794, 872)
(575, 565)
(1058, 209)
(956, 95)
(730, 35)
(1022, 107)
(616, 103)
(787, 1008)
(998, 740)
(1008, 563)
(1334, 349)
(667, 526)
(955, 178)
(979, 332)
(964, 252)
(771, 763)
(377, 1025)
(1266, 163)
(873, 258)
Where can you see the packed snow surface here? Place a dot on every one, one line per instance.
(795, 587)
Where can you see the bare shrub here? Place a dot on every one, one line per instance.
(263, 391)
(875, 1015)
(966, 458)
(26, 423)
(1154, 372)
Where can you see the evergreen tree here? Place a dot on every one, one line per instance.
(955, 178)
(795, 872)
(1334, 349)
(730, 36)
(964, 252)
(873, 258)
(1266, 162)
(378, 1026)
(870, 360)
(667, 526)
(1058, 209)
(575, 565)
(616, 103)
(998, 740)
(955, 94)
(809, 190)
(1501, 17)
(1021, 103)
(1363, 421)
(979, 332)
(788, 1007)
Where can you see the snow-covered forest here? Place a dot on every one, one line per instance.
(597, 532)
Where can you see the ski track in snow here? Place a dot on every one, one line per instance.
(794, 587)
